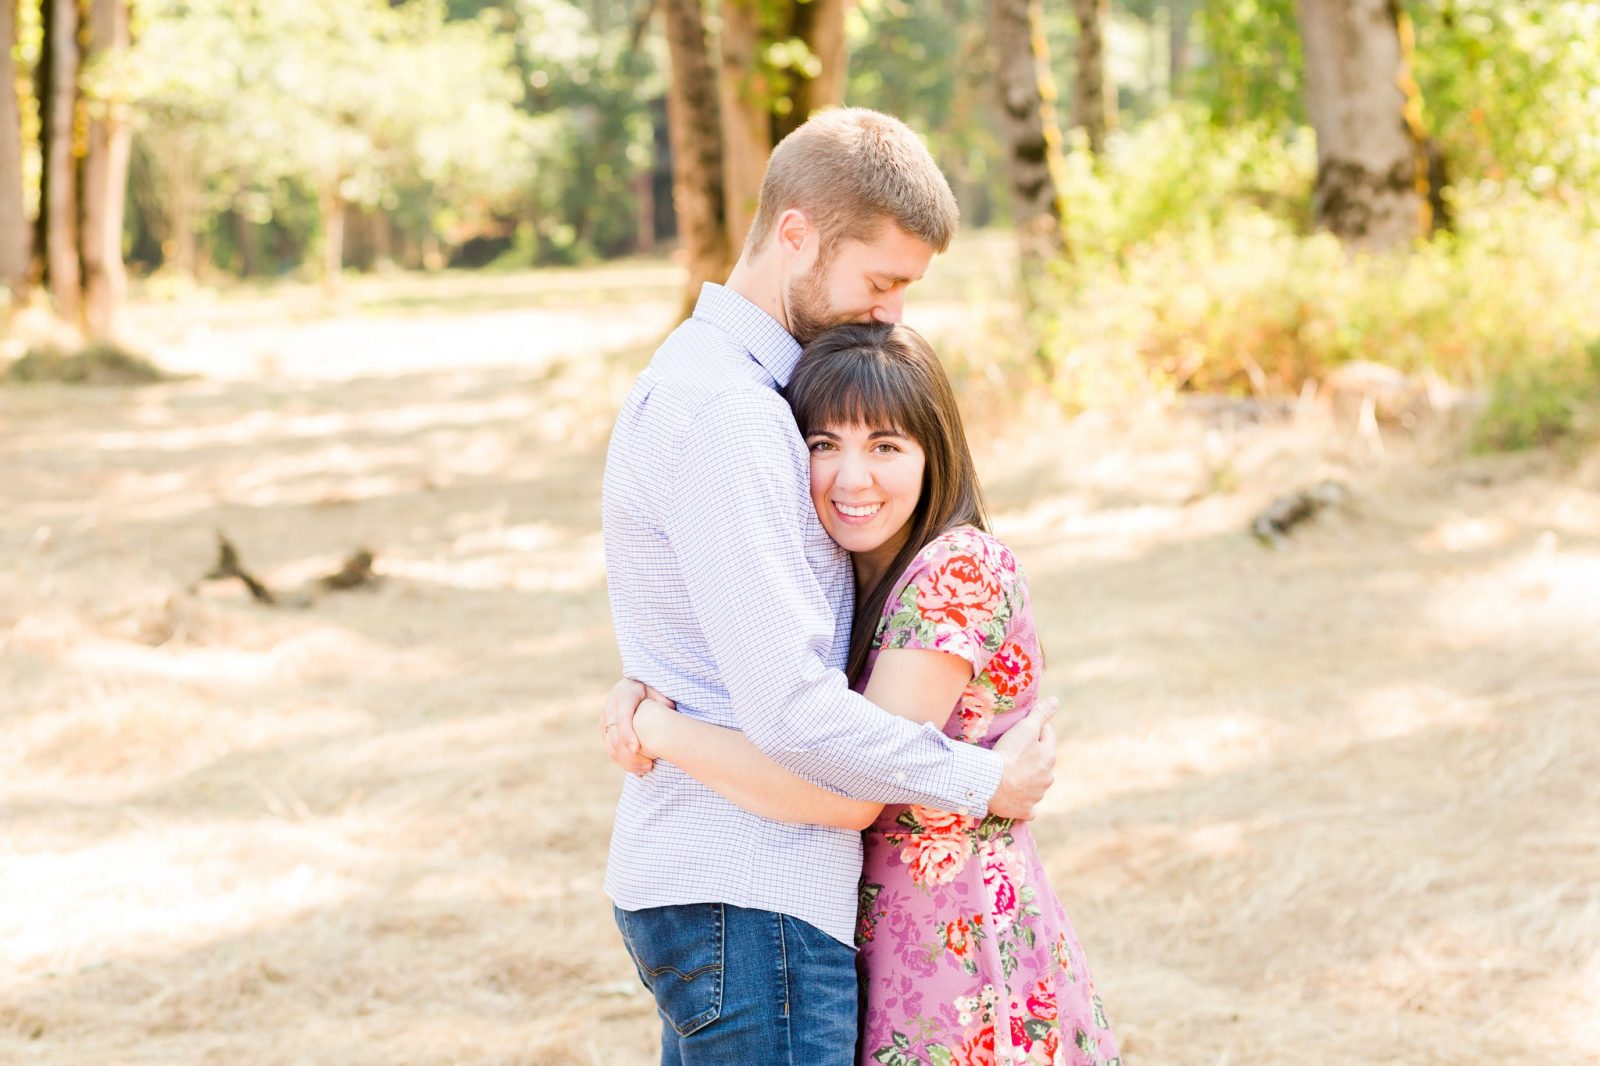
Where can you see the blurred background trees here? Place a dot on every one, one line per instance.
(217, 139)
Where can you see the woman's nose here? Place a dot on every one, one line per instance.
(853, 473)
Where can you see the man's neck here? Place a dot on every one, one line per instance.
(756, 283)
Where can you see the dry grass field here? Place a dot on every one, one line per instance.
(1333, 803)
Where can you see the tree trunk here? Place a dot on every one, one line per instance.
(644, 213)
(382, 240)
(746, 118)
(332, 206)
(14, 250)
(1031, 138)
(58, 210)
(694, 127)
(181, 248)
(1093, 108)
(1371, 167)
(1178, 15)
(820, 24)
(105, 179)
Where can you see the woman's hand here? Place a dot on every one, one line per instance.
(649, 722)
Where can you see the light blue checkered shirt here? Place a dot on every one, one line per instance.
(728, 596)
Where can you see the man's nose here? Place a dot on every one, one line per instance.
(891, 308)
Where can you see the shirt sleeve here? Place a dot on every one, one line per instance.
(736, 531)
(957, 598)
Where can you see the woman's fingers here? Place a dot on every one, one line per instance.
(616, 727)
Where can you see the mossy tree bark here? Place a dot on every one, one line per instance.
(1372, 170)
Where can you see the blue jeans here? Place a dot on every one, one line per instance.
(736, 986)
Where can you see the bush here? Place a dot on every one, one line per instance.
(1230, 294)
(97, 364)
(1543, 401)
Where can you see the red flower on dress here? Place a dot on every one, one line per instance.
(1011, 670)
(1042, 1000)
(958, 591)
(976, 1050)
(1002, 890)
(935, 822)
(935, 860)
(1019, 1035)
(977, 711)
(958, 935)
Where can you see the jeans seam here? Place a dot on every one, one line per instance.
(783, 973)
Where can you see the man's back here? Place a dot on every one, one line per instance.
(675, 840)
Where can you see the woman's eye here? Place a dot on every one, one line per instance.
(821, 445)
(887, 448)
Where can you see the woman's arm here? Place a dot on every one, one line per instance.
(920, 685)
(725, 761)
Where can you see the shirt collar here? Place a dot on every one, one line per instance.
(756, 331)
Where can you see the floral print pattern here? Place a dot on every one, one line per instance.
(967, 957)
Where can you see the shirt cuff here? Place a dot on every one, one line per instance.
(975, 779)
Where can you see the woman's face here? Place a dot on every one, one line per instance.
(865, 483)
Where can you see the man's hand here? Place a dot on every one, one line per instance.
(616, 724)
(1028, 751)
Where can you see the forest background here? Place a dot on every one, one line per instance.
(360, 285)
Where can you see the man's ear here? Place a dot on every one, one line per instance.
(794, 229)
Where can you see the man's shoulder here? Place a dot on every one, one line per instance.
(710, 376)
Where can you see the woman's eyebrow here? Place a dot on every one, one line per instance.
(823, 433)
(875, 434)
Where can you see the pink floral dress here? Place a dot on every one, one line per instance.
(967, 957)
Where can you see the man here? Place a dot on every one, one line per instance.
(728, 596)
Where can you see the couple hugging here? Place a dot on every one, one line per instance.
(833, 728)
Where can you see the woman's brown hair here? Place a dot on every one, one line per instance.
(886, 376)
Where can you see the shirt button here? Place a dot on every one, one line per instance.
(900, 775)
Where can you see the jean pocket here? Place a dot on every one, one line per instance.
(678, 953)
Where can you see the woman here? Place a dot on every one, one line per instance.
(966, 955)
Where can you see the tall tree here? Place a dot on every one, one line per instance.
(1365, 109)
(781, 60)
(14, 249)
(105, 172)
(1093, 108)
(1032, 138)
(58, 206)
(694, 124)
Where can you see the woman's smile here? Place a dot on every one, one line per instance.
(857, 513)
(865, 484)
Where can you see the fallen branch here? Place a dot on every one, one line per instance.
(1285, 513)
(355, 572)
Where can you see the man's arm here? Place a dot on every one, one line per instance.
(736, 529)
(906, 683)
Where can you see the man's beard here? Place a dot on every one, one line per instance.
(807, 305)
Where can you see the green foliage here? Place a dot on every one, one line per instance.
(1249, 304)
(1176, 173)
(592, 94)
(1252, 69)
(928, 64)
(97, 364)
(1543, 400)
(1512, 92)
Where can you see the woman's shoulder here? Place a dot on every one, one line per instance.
(981, 550)
(959, 595)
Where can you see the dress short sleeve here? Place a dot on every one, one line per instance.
(957, 596)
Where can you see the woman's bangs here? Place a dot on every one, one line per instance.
(863, 389)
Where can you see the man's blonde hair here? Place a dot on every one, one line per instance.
(849, 170)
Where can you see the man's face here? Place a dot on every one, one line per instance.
(862, 281)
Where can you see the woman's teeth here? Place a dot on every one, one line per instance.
(859, 512)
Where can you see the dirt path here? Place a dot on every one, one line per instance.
(1336, 803)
